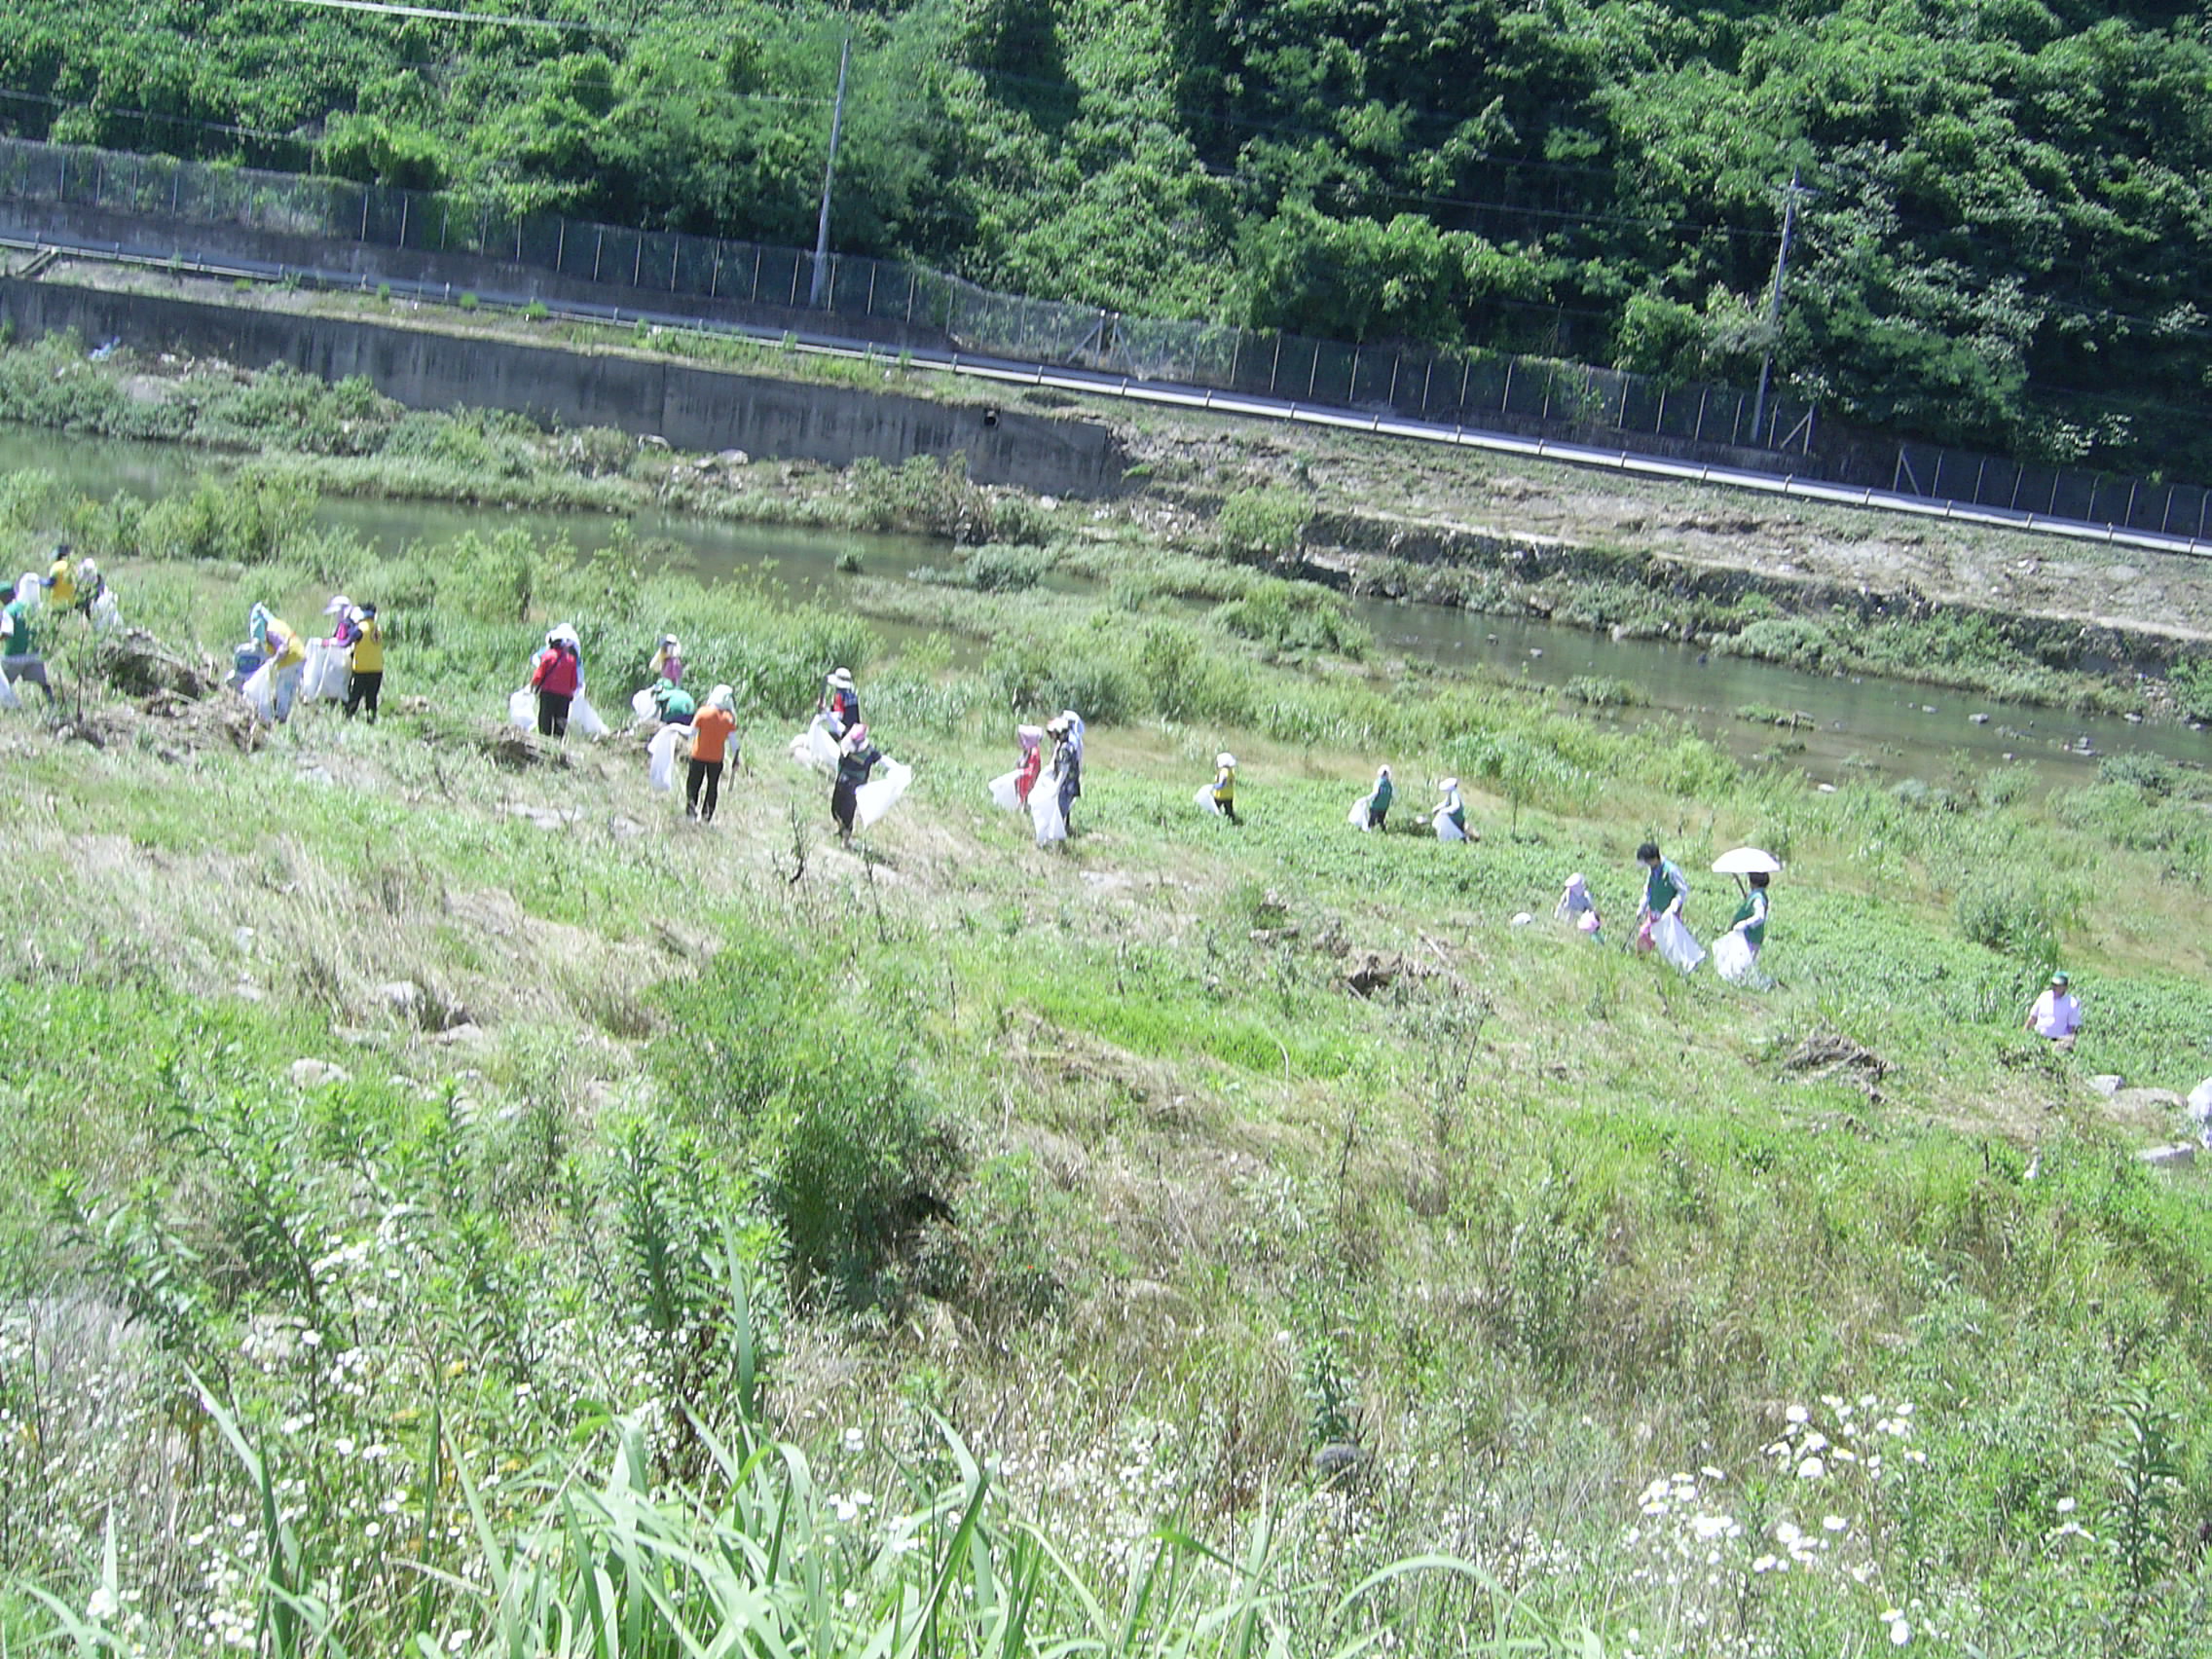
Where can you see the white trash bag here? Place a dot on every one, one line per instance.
(327, 671)
(1447, 830)
(814, 749)
(583, 718)
(522, 709)
(1006, 791)
(1734, 959)
(1677, 944)
(1357, 816)
(1204, 798)
(871, 801)
(1051, 824)
(107, 615)
(260, 691)
(643, 707)
(661, 752)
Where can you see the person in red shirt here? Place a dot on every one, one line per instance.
(712, 730)
(1025, 775)
(557, 677)
(840, 705)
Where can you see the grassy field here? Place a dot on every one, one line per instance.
(715, 1240)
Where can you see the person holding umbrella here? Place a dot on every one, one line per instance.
(1736, 952)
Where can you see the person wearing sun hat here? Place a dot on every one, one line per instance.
(2055, 1015)
(557, 677)
(839, 706)
(1450, 818)
(712, 731)
(1225, 786)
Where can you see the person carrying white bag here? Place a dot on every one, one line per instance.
(1736, 952)
(1659, 919)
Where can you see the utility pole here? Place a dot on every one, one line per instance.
(829, 175)
(1773, 302)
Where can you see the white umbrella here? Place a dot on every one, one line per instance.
(1746, 861)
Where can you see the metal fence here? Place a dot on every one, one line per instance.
(2071, 494)
(1473, 389)
(1417, 383)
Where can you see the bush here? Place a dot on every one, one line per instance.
(1261, 524)
(852, 1153)
(2015, 914)
(2190, 682)
(1603, 691)
(491, 580)
(1783, 639)
(2152, 774)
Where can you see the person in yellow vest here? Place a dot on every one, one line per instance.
(281, 644)
(60, 581)
(366, 685)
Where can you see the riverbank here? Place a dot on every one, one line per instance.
(1819, 588)
(1305, 1191)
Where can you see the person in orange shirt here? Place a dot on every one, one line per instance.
(712, 728)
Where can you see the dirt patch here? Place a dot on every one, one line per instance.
(1831, 1054)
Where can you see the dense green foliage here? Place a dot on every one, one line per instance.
(2003, 242)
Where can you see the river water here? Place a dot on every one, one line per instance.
(1890, 727)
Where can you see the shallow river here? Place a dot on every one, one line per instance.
(1898, 728)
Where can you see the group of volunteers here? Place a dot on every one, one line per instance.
(66, 588)
(553, 701)
(706, 731)
(1050, 809)
(278, 664)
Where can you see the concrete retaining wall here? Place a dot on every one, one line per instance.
(693, 407)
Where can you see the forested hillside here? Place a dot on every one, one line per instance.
(2001, 239)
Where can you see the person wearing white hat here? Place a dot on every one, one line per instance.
(1450, 818)
(712, 731)
(839, 706)
(1225, 786)
(557, 677)
(1377, 801)
(91, 584)
(1577, 906)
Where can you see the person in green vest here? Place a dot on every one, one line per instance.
(677, 705)
(1665, 891)
(19, 643)
(1377, 803)
(1750, 915)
